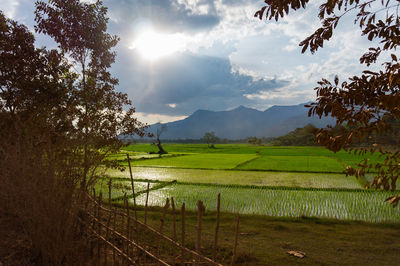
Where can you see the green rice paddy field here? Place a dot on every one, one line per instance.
(262, 180)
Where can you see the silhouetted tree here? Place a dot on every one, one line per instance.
(159, 131)
(39, 169)
(210, 138)
(365, 106)
(80, 28)
(59, 117)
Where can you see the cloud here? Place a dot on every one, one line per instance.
(229, 58)
(156, 118)
(183, 83)
(9, 7)
(166, 15)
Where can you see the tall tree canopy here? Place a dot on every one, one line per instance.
(367, 107)
(80, 29)
(39, 166)
(59, 117)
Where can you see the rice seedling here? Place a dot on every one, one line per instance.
(196, 161)
(119, 188)
(360, 205)
(242, 177)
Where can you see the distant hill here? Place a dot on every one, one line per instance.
(242, 122)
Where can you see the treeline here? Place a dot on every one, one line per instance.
(199, 141)
(303, 136)
(299, 137)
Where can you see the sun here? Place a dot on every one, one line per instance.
(152, 45)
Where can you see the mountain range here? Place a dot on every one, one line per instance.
(241, 123)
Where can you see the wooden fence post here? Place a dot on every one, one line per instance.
(128, 225)
(166, 206)
(147, 200)
(108, 220)
(183, 232)
(174, 218)
(114, 227)
(217, 228)
(200, 209)
(236, 240)
(99, 227)
(109, 193)
(133, 186)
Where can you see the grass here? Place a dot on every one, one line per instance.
(249, 157)
(266, 240)
(295, 164)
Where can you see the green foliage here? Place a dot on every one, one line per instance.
(365, 106)
(100, 113)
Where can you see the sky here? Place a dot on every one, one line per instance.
(177, 56)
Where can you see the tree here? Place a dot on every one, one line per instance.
(38, 169)
(210, 138)
(254, 141)
(366, 106)
(80, 28)
(59, 117)
(159, 131)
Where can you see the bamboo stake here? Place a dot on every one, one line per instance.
(166, 206)
(236, 240)
(147, 200)
(128, 225)
(183, 232)
(114, 228)
(133, 187)
(174, 218)
(108, 220)
(94, 207)
(128, 217)
(217, 227)
(173, 225)
(200, 208)
(99, 228)
(109, 206)
(109, 193)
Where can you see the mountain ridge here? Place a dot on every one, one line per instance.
(242, 122)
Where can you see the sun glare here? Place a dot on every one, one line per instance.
(153, 45)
